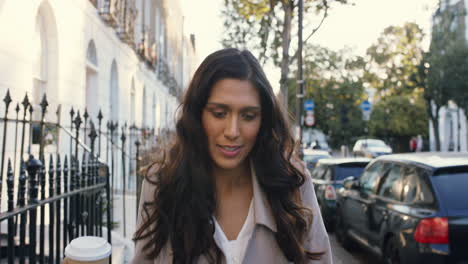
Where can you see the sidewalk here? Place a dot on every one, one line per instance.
(123, 244)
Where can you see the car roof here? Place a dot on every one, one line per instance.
(370, 140)
(315, 152)
(335, 161)
(431, 159)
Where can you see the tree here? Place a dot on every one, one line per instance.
(393, 61)
(266, 28)
(393, 71)
(334, 81)
(398, 117)
(444, 70)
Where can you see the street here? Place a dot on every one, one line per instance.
(342, 256)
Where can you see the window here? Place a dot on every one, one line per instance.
(370, 178)
(328, 174)
(91, 92)
(392, 185)
(415, 189)
(143, 110)
(343, 171)
(318, 172)
(39, 60)
(451, 184)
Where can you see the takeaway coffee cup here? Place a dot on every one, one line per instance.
(88, 250)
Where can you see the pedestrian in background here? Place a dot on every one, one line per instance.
(419, 143)
(413, 144)
(230, 189)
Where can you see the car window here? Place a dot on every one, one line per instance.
(415, 189)
(358, 144)
(343, 171)
(370, 178)
(451, 184)
(318, 172)
(392, 183)
(376, 143)
(328, 174)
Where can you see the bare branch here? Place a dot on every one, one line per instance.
(325, 13)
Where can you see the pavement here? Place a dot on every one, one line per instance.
(122, 237)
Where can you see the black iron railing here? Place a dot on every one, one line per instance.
(58, 184)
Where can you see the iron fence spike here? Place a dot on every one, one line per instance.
(25, 102)
(44, 103)
(7, 98)
(78, 120)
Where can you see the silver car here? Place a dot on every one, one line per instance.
(371, 148)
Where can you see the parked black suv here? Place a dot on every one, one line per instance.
(408, 208)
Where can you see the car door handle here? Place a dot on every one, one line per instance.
(364, 207)
(384, 214)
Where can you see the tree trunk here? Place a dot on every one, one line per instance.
(435, 127)
(286, 41)
(434, 117)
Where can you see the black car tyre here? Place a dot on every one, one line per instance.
(340, 230)
(326, 221)
(392, 252)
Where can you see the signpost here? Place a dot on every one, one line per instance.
(309, 107)
(366, 108)
(310, 118)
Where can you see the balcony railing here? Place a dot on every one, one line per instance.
(126, 29)
(148, 53)
(110, 12)
(94, 2)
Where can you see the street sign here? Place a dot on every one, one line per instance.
(309, 105)
(366, 107)
(310, 118)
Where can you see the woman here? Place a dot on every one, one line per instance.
(230, 189)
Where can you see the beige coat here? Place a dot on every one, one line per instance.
(262, 247)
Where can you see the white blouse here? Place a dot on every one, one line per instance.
(234, 250)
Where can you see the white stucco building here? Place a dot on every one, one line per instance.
(131, 59)
(85, 53)
(452, 119)
(452, 129)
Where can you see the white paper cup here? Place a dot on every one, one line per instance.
(88, 250)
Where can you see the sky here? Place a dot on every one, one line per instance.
(356, 26)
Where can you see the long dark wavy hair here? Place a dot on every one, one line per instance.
(184, 200)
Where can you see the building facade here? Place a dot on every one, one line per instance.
(128, 58)
(453, 123)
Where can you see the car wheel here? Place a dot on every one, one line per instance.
(392, 252)
(326, 221)
(340, 230)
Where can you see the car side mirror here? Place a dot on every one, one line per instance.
(350, 183)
